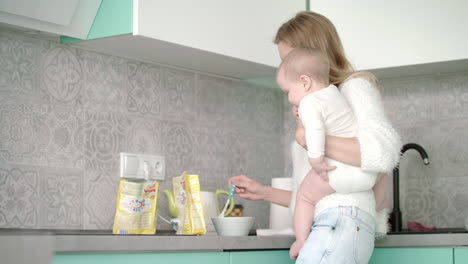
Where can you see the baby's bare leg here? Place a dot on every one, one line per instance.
(312, 189)
(380, 191)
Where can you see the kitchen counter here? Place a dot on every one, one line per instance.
(41, 245)
(104, 241)
(424, 240)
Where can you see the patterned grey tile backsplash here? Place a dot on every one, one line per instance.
(20, 195)
(105, 88)
(410, 101)
(144, 136)
(240, 151)
(19, 65)
(62, 198)
(61, 75)
(144, 88)
(179, 147)
(434, 195)
(452, 102)
(212, 96)
(40, 197)
(99, 192)
(67, 113)
(40, 134)
(103, 137)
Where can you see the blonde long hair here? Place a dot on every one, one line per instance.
(312, 30)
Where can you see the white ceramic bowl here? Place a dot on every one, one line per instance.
(233, 226)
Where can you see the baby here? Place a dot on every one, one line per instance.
(323, 110)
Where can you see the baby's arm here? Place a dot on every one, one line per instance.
(320, 166)
(311, 116)
(312, 189)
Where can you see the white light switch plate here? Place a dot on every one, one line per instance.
(137, 166)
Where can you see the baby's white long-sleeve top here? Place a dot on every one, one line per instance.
(379, 142)
(325, 112)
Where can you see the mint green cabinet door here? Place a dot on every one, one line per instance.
(412, 256)
(261, 257)
(461, 255)
(149, 258)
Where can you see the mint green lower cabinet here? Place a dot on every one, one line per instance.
(412, 256)
(261, 257)
(243, 257)
(380, 256)
(150, 258)
(460, 255)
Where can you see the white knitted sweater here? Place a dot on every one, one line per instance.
(379, 142)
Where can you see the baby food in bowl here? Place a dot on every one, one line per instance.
(233, 226)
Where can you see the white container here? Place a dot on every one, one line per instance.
(233, 226)
(211, 207)
(279, 215)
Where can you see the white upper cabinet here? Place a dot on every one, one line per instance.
(242, 29)
(61, 17)
(229, 38)
(54, 11)
(380, 34)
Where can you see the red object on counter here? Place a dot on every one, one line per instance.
(418, 227)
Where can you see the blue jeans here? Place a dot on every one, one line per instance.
(339, 235)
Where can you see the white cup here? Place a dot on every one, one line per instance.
(211, 207)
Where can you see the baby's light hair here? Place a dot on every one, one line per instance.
(305, 61)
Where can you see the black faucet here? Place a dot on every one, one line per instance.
(395, 216)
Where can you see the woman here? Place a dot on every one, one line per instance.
(343, 229)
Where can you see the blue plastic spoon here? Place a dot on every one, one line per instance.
(231, 192)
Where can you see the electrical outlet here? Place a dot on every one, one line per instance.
(157, 165)
(141, 166)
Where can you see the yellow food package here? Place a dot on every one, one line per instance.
(192, 220)
(136, 207)
(178, 186)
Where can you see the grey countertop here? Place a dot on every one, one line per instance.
(41, 245)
